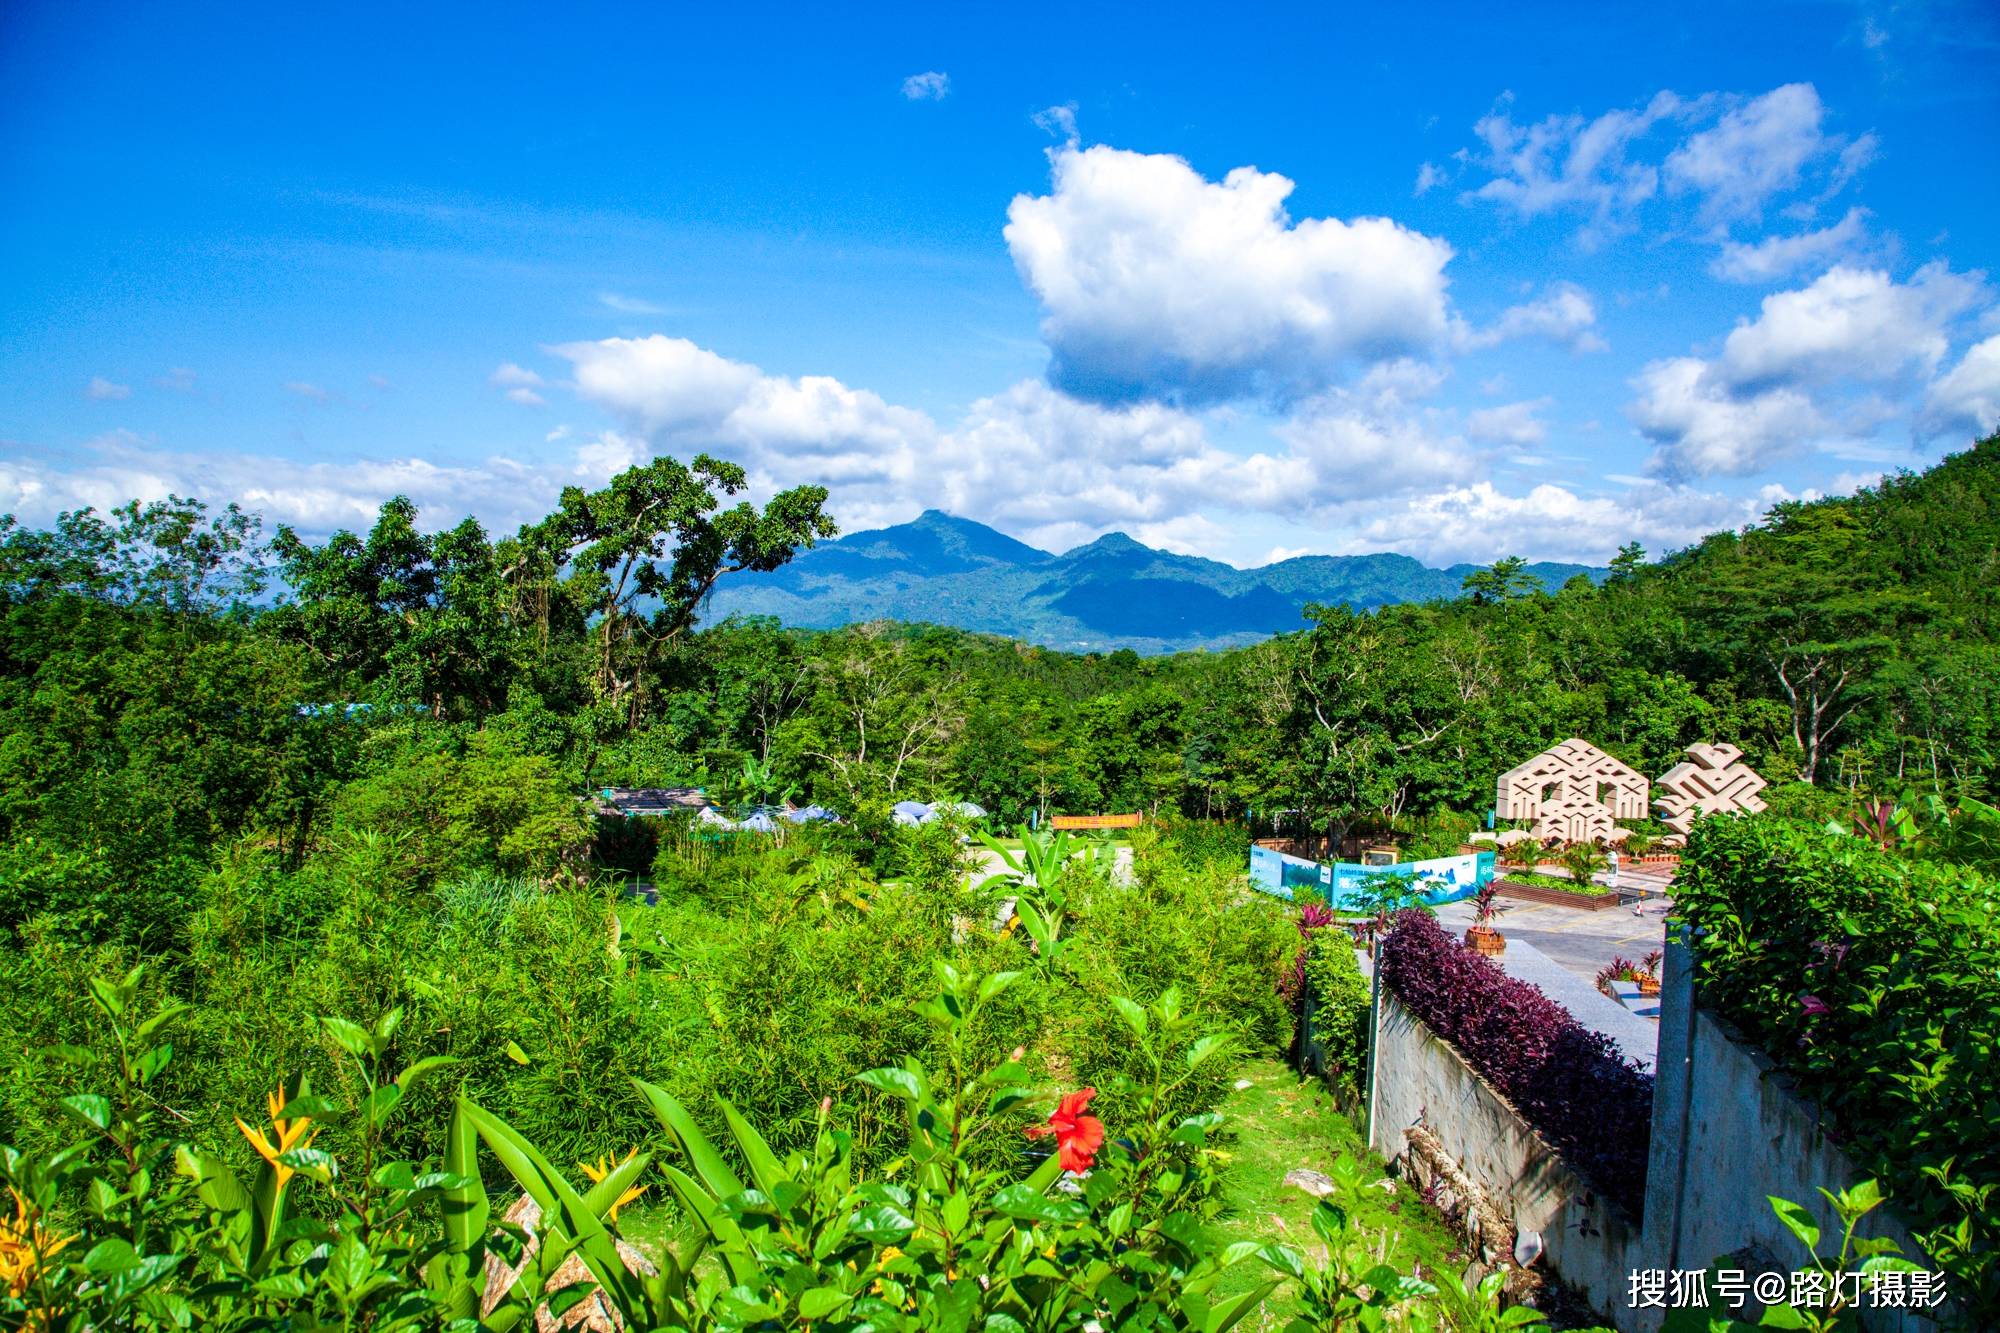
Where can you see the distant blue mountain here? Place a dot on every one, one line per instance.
(1113, 593)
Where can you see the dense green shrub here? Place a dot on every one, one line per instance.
(136, 1223)
(1339, 1006)
(1440, 833)
(1875, 980)
(1220, 842)
(485, 808)
(769, 973)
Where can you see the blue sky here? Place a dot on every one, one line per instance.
(1453, 280)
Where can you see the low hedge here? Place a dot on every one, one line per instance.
(1591, 1104)
(1874, 980)
(1338, 1005)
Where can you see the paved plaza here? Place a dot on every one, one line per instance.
(1583, 942)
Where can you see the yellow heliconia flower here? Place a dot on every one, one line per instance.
(603, 1167)
(25, 1245)
(297, 1132)
(889, 1253)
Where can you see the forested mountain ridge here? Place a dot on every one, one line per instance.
(154, 713)
(1111, 593)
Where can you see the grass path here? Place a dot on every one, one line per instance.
(1281, 1122)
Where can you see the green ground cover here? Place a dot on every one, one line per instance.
(1281, 1122)
(1536, 879)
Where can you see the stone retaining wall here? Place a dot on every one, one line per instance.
(1728, 1130)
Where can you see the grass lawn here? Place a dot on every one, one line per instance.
(1281, 1122)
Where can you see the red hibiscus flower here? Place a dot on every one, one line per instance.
(1078, 1135)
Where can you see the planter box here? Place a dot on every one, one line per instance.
(1486, 940)
(1535, 893)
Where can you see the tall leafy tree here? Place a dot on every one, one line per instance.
(642, 554)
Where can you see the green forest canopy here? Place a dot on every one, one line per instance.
(155, 708)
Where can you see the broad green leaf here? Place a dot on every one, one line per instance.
(707, 1162)
(820, 1302)
(765, 1168)
(896, 1082)
(1134, 1016)
(996, 983)
(382, 1102)
(1213, 1044)
(882, 1224)
(351, 1036)
(218, 1186)
(1024, 1201)
(90, 1108)
(1224, 1316)
(721, 1228)
(466, 1211)
(1283, 1258)
(1329, 1220)
(564, 1217)
(411, 1073)
(1797, 1220)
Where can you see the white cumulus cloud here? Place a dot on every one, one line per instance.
(1564, 314)
(1157, 282)
(1568, 162)
(1850, 323)
(315, 497)
(1968, 397)
(1824, 365)
(105, 390)
(1517, 424)
(1058, 122)
(1730, 156)
(520, 384)
(1778, 257)
(1703, 427)
(1759, 149)
(1048, 466)
(1477, 522)
(930, 86)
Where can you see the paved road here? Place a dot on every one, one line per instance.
(1584, 942)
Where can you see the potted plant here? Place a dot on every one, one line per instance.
(1619, 969)
(1649, 974)
(1481, 935)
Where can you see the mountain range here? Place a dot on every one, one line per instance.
(1112, 593)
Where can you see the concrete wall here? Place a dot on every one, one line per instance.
(1420, 1081)
(1728, 1130)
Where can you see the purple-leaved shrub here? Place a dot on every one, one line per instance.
(1592, 1105)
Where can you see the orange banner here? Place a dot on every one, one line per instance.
(1094, 821)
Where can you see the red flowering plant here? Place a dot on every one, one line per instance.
(967, 1231)
(964, 1232)
(1078, 1133)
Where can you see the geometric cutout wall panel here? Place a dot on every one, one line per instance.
(1712, 780)
(1573, 791)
